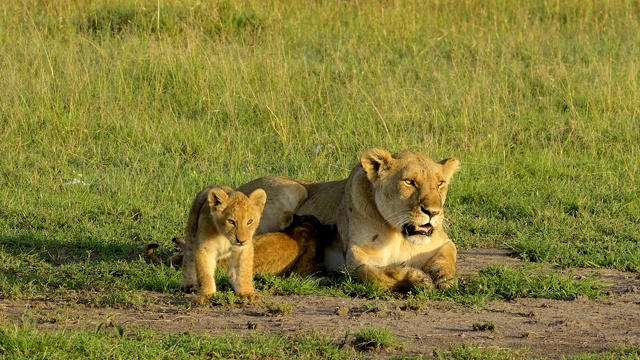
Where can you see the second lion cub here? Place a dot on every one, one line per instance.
(221, 225)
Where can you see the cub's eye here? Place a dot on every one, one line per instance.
(231, 222)
(410, 182)
(441, 184)
(250, 222)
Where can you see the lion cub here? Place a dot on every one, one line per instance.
(298, 248)
(221, 225)
(175, 261)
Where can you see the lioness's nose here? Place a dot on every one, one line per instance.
(431, 213)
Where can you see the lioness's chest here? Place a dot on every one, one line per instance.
(395, 250)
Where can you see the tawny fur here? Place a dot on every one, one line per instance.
(297, 249)
(388, 214)
(221, 225)
(175, 261)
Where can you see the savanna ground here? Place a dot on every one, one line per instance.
(114, 114)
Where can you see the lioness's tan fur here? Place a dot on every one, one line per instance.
(388, 215)
(221, 225)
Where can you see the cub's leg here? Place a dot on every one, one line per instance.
(309, 263)
(442, 266)
(205, 265)
(392, 277)
(240, 270)
(189, 279)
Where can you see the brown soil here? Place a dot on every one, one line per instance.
(538, 327)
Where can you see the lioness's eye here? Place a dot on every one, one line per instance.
(250, 222)
(410, 182)
(231, 222)
(441, 184)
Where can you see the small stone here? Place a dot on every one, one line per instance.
(342, 311)
(581, 298)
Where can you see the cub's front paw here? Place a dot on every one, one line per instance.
(202, 299)
(188, 289)
(251, 296)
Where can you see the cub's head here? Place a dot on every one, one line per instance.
(308, 227)
(409, 190)
(236, 215)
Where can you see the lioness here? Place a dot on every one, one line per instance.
(388, 215)
(221, 224)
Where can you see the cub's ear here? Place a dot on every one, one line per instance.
(259, 198)
(227, 189)
(218, 199)
(180, 243)
(287, 219)
(376, 162)
(449, 167)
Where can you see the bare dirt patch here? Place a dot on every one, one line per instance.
(540, 327)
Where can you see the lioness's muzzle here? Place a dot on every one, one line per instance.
(411, 229)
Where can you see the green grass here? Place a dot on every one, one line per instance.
(623, 352)
(114, 114)
(476, 353)
(148, 105)
(375, 338)
(118, 343)
(281, 308)
(504, 283)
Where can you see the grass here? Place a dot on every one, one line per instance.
(375, 339)
(118, 343)
(504, 283)
(473, 352)
(485, 326)
(114, 114)
(279, 308)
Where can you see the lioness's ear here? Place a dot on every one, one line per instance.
(376, 162)
(218, 199)
(259, 198)
(449, 167)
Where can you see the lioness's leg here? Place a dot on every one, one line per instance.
(442, 266)
(393, 277)
(240, 270)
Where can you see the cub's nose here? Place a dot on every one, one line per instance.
(240, 241)
(430, 213)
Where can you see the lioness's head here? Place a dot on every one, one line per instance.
(409, 190)
(236, 215)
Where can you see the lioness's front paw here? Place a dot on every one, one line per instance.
(421, 280)
(443, 278)
(444, 284)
